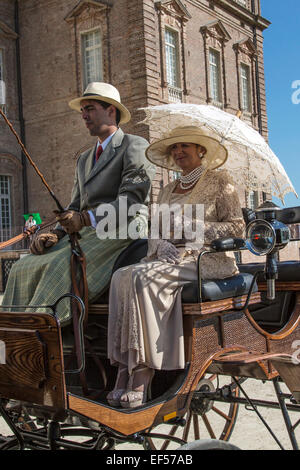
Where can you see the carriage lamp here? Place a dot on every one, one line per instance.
(265, 236)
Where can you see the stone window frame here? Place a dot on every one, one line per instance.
(7, 198)
(172, 15)
(218, 68)
(246, 54)
(87, 16)
(11, 166)
(2, 73)
(83, 64)
(252, 199)
(6, 33)
(249, 99)
(216, 37)
(2, 79)
(175, 90)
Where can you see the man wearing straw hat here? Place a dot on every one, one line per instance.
(113, 169)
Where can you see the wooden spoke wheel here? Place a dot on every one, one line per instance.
(205, 419)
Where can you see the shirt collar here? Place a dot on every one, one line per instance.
(106, 141)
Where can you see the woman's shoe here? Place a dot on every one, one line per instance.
(138, 388)
(114, 396)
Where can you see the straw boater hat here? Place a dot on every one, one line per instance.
(159, 152)
(103, 92)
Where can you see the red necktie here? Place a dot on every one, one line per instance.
(98, 152)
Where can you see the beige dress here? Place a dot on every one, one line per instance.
(145, 315)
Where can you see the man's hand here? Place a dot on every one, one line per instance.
(45, 240)
(73, 221)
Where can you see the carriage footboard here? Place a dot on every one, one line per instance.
(31, 366)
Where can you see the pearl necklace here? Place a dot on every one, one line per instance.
(187, 181)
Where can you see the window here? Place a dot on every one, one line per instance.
(215, 76)
(5, 211)
(92, 57)
(245, 87)
(1, 65)
(172, 65)
(2, 83)
(253, 200)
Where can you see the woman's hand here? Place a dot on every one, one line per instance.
(167, 252)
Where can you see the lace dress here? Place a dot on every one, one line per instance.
(145, 315)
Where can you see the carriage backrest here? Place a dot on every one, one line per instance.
(132, 254)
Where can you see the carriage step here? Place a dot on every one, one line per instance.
(248, 357)
(286, 365)
(289, 371)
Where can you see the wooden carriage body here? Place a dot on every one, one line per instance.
(220, 337)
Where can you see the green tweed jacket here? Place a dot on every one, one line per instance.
(122, 170)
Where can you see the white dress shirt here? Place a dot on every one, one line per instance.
(104, 145)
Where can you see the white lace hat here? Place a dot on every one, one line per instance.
(159, 151)
(101, 91)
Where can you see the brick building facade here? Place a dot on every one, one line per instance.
(153, 51)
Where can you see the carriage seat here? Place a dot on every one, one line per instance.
(215, 289)
(288, 271)
(218, 289)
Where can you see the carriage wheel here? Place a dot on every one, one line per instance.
(209, 444)
(205, 419)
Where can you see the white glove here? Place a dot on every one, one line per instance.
(164, 251)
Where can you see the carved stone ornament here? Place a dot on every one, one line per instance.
(9, 161)
(173, 8)
(246, 50)
(86, 8)
(215, 33)
(7, 32)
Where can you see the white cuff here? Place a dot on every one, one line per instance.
(93, 219)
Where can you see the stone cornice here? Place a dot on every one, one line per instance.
(244, 13)
(240, 12)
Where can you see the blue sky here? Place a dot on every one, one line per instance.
(282, 69)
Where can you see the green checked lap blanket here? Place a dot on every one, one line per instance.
(41, 280)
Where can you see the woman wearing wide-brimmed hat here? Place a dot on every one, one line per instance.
(145, 319)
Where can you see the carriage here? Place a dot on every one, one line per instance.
(54, 379)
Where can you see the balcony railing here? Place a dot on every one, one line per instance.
(175, 94)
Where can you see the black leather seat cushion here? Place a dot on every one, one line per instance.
(288, 271)
(218, 289)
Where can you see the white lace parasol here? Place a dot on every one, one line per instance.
(251, 161)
